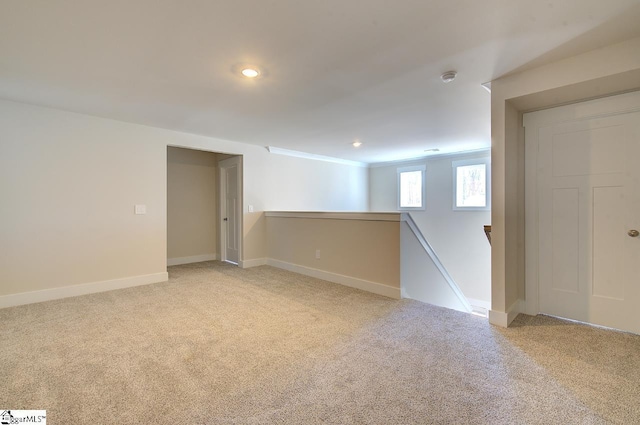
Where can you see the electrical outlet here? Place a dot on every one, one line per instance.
(140, 209)
(317, 254)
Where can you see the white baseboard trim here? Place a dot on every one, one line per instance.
(504, 319)
(365, 285)
(480, 303)
(192, 259)
(245, 264)
(480, 307)
(32, 297)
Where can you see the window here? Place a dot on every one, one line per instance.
(471, 184)
(411, 188)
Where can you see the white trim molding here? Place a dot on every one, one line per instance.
(32, 297)
(504, 319)
(306, 155)
(479, 303)
(254, 262)
(192, 259)
(422, 159)
(364, 285)
(596, 108)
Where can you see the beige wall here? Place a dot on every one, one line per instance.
(69, 183)
(457, 237)
(192, 204)
(362, 249)
(600, 72)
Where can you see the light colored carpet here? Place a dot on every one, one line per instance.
(221, 345)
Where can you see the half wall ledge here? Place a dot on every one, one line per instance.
(335, 215)
(380, 252)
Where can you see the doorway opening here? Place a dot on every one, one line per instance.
(196, 196)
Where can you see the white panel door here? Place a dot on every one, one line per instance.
(231, 211)
(588, 208)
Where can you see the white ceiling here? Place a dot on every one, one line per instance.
(335, 70)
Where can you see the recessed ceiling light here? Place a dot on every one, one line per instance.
(432, 150)
(250, 72)
(357, 144)
(449, 76)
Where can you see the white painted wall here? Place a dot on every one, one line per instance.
(302, 184)
(69, 183)
(421, 278)
(457, 237)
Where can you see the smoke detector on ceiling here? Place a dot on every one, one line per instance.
(449, 76)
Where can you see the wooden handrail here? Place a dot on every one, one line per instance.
(487, 231)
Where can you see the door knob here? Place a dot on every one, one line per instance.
(226, 219)
(633, 233)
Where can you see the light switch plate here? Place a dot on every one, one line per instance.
(250, 208)
(141, 209)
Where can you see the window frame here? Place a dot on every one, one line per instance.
(423, 170)
(486, 161)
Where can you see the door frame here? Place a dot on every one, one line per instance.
(222, 202)
(598, 108)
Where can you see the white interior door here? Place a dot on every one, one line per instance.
(588, 200)
(230, 208)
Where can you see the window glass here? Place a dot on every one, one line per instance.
(411, 188)
(471, 184)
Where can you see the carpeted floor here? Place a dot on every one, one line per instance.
(221, 345)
